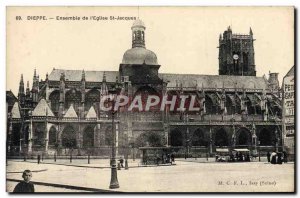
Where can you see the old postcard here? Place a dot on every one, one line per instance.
(150, 99)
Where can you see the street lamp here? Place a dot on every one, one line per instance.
(126, 152)
(114, 177)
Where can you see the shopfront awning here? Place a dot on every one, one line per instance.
(241, 150)
(225, 150)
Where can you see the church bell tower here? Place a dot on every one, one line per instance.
(236, 54)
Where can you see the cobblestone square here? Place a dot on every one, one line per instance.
(188, 175)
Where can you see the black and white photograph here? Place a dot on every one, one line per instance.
(145, 99)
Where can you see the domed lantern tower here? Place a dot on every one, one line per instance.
(139, 65)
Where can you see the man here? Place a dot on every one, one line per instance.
(25, 186)
(121, 162)
(269, 157)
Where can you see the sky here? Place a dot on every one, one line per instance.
(185, 39)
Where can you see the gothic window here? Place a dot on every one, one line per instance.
(39, 136)
(245, 62)
(176, 138)
(230, 104)
(267, 138)
(54, 101)
(73, 97)
(52, 136)
(88, 137)
(69, 137)
(243, 137)
(108, 136)
(92, 98)
(221, 138)
(211, 104)
(199, 139)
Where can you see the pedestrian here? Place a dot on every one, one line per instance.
(121, 162)
(25, 186)
(173, 157)
(284, 156)
(168, 158)
(157, 160)
(39, 158)
(273, 157)
(247, 158)
(269, 157)
(279, 158)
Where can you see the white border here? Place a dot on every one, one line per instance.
(5, 3)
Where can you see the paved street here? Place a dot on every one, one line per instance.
(186, 176)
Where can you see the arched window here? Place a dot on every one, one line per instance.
(221, 138)
(244, 137)
(88, 137)
(211, 103)
(199, 139)
(267, 137)
(69, 137)
(52, 136)
(73, 97)
(176, 138)
(54, 101)
(92, 98)
(230, 104)
(245, 62)
(108, 136)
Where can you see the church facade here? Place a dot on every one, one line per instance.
(62, 113)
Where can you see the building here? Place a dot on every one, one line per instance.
(237, 109)
(288, 112)
(236, 54)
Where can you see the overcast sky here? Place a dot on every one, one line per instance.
(185, 39)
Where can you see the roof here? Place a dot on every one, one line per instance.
(71, 113)
(291, 72)
(15, 112)
(91, 113)
(212, 81)
(10, 94)
(139, 56)
(138, 23)
(42, 109)
(90, 76)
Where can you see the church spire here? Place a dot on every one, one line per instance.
(138, 34)
(21, 85)
(27, 89)
(21, 94)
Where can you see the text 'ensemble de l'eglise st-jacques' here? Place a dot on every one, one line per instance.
(61, 114)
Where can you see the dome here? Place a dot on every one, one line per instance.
(138, 23)
(138, 56)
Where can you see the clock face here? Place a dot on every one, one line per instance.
(235, 56)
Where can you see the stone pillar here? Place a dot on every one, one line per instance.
(210, 141)
(30, 130)
(79, 137)
(97, 135)
(46, 137)
(59, 131)
(166, 134)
